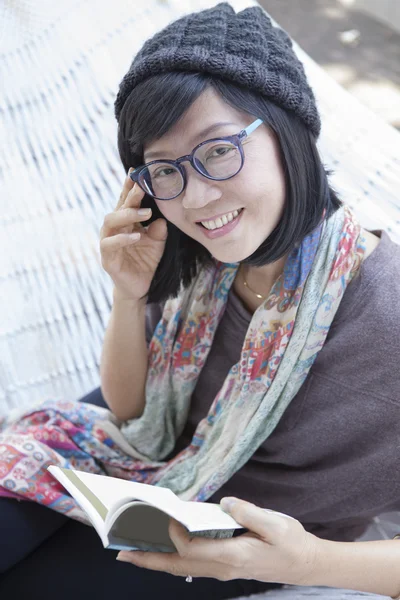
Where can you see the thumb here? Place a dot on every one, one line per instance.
(158, 230)
(268, 524)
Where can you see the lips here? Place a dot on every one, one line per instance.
(221, 231)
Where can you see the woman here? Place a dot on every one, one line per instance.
(246, 353)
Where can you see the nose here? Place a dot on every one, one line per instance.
(199, 190)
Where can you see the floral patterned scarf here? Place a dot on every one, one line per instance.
(282, 342)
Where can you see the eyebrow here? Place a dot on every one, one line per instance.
(199, 136)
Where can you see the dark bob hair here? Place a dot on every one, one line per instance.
(156, 104)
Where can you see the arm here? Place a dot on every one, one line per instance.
(130, 253)
(124, 361)
(372, 567)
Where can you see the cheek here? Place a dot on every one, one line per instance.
(264, 178)
(170, 210)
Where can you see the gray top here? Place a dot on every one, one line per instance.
(333, 460)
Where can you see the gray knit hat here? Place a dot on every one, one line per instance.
(244, 48)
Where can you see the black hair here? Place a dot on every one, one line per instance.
(157, 103)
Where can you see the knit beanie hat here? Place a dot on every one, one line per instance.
(244, 48)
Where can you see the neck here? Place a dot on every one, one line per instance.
(259, 281)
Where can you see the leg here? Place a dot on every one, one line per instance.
(74, 564)
(24, 526)
(95, 397)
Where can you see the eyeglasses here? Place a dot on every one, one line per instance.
(217, 159)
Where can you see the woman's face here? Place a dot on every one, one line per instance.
(258, 190)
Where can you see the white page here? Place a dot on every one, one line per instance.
(196, 516)
(201, 516)
(94, 517)
(112, 491)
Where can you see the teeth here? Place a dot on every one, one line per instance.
(221, 221)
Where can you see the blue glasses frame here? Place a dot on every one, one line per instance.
(237, 140)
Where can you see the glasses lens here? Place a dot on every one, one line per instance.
(162, 180)
(219, 159)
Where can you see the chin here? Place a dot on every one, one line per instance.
(231, 257)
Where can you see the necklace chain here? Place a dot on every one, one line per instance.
(259, 296)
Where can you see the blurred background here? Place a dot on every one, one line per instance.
(357, 42)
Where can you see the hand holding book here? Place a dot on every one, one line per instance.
(276, 548)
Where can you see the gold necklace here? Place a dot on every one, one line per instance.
(249, 288)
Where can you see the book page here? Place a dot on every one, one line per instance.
(204, 516)
(140, 526)
(93, 508)
(105, 500)
(108, 494)
(113, 492)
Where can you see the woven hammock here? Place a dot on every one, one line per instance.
(60, 66)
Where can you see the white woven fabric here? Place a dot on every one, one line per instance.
(60, 65)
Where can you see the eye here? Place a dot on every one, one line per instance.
(219, 151)
(164, 172)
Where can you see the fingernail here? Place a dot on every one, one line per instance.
(130, 170)
(123, 557)
(143, 211)
(135, 236)
(228, 503)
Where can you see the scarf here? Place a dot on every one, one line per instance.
(282, 342)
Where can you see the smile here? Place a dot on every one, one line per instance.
(221, 221)
(222, 225)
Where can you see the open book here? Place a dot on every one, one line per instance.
(135, 516)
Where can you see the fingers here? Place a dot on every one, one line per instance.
(127, 211)
(126, 188)
(268, 524)
(134, 196)
(121, 240)
(199, 548)
(158, 230)
(179, 535)
(131, 194)
(122, 218)
(174, 564)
